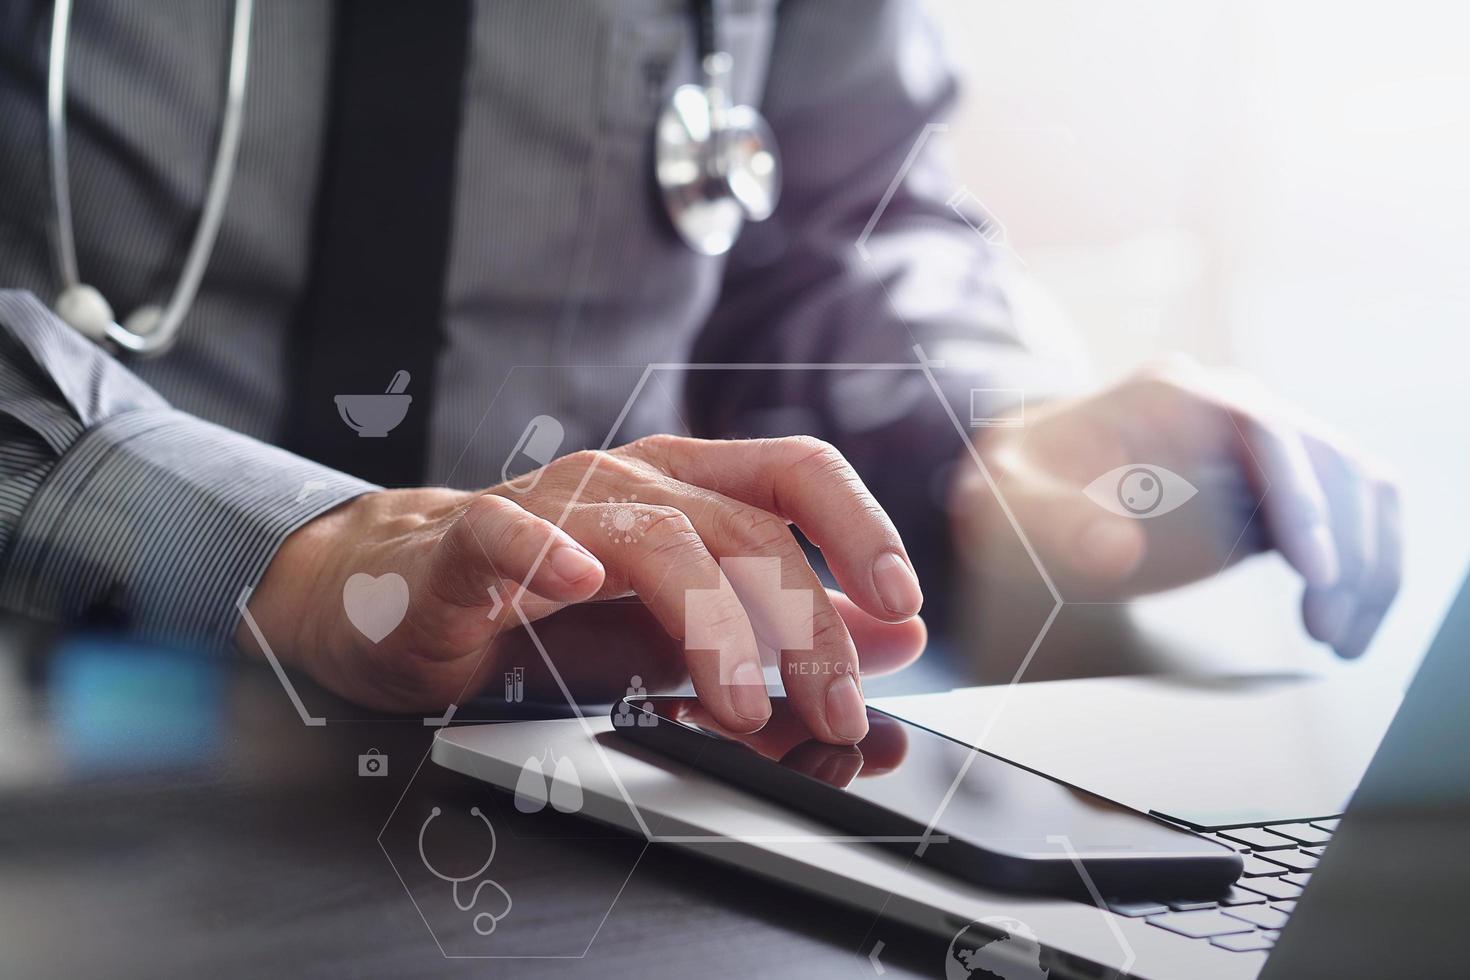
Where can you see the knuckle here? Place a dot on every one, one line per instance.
(514, 534)
(755, 531)
(669, 531)
(727, 618)
(812, 457)
(810, 446)
(655, 446)
(828, 630)
(489, 506)
(579, 462)
(580, 458)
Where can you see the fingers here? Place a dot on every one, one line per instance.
(787, 740)
(1366, 526)
(1380, 585)
(496, 539)
(882, 647)
(1078, 540)
(629, 640)
(667, 561)
(791, 612)
(808, 482)
(729, 577)
(1294, 504)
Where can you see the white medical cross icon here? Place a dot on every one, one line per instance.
(782, 618)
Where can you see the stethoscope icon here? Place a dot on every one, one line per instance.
(494, 920)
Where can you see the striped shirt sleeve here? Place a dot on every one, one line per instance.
(115, 506)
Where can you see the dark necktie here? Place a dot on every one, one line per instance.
(374, 303)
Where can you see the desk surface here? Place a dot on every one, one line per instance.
(166, 815)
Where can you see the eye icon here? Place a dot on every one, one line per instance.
(1140, 490)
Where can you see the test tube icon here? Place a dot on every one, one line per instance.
(515, 685)
(535, 448)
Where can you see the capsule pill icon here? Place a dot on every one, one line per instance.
(535, 448)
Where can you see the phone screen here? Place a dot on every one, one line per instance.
(902, 777)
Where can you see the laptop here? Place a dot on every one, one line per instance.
(1372, 889)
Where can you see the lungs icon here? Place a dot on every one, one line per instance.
(565, 790)
(566, 787)
(531, 787)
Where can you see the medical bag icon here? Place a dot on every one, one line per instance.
(372, 763)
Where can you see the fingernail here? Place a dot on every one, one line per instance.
(1337, 611)
(1321, 557)
(846, 715)
(748, 692)
(898, 588)
(571, 564)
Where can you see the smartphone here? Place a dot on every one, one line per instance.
(994, 823)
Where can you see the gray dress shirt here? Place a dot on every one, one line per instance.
(151, 488)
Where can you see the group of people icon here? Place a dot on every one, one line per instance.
(626, 716)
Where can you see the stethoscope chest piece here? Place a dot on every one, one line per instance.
(715, 163)
(714, 176)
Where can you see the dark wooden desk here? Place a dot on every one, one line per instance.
(170, 815)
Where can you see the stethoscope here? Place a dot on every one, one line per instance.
(149, 329)
(715, 164)
(456, 882)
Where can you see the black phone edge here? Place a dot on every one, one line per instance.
(1122, 877)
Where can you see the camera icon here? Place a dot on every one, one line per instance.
(372, 763)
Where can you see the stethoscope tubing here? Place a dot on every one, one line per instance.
(456, 882)
(165, 324)
(222, 174)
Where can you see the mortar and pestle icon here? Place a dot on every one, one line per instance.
(374, 416)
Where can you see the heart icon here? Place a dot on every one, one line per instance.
(375, 605)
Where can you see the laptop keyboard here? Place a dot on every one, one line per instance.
(1279, 860)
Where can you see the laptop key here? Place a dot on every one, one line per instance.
(1199, 925)
(1257, 838)
(1136, 909)
(1188, 906)
(1302, 833)
(1291, 860)
(1328, 825)
(1299, 879)
(1316, 852)
(1241, 896)
(1266, 918)
(1273, 888)
(1247, 942)
(1257, 867)
(1288, 906)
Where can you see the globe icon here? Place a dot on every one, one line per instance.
(994, 947)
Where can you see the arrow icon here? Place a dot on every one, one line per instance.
(873, 958)
(496, 603)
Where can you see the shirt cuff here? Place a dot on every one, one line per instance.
(159, 519)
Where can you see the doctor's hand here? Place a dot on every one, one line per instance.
(1103, 487)
(649, 522)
